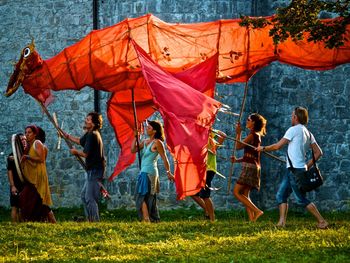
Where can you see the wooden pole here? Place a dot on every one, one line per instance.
(135, 123)
(60, 131)
(249, 145)
(235, 145)
(242, 108)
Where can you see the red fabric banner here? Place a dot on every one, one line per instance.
(188, 115)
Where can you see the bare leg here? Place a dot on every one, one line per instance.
(237, 191)
(14, 214)
(322, 223)
(210, 208)
(200, 202)
(51, 218)
(145, 213)
(283, 208)
(250, 212)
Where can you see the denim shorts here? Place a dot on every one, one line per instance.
(287, 186)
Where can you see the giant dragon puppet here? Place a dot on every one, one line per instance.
(171, 68)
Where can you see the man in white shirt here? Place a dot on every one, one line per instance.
(299, 139)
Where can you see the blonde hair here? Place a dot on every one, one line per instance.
(302, 115)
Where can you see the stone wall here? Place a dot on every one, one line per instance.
(326, 95)
(54, 25)
(273, 92)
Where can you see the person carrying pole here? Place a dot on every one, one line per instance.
(250, 174)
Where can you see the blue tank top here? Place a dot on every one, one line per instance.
(149, 160)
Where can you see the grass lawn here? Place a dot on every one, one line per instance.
(182, 236)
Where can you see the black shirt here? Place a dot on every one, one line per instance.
(93, 147)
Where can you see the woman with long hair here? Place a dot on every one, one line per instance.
(147, 186)
(34, 170)
(250, 174)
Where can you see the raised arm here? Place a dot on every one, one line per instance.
(134, 144)
(72, 138)
(221, 137)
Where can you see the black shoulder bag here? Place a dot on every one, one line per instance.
(307, 180)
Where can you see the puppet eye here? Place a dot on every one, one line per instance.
(26, 52)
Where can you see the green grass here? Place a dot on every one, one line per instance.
(182, 236)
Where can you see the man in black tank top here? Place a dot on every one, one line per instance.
(95, 163)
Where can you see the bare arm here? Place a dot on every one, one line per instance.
(221, 137)
(273, 147)
(160, 148)
(40, 150)
(73, 139)
(76, 140)
(317, 152)
(249, 139)
(134, 145)
(78, 152)
(11, 181)
(240, 146)
(235, 160)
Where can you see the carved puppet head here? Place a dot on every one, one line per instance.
(28, 62)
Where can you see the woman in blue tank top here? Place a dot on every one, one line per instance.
(147, 186)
